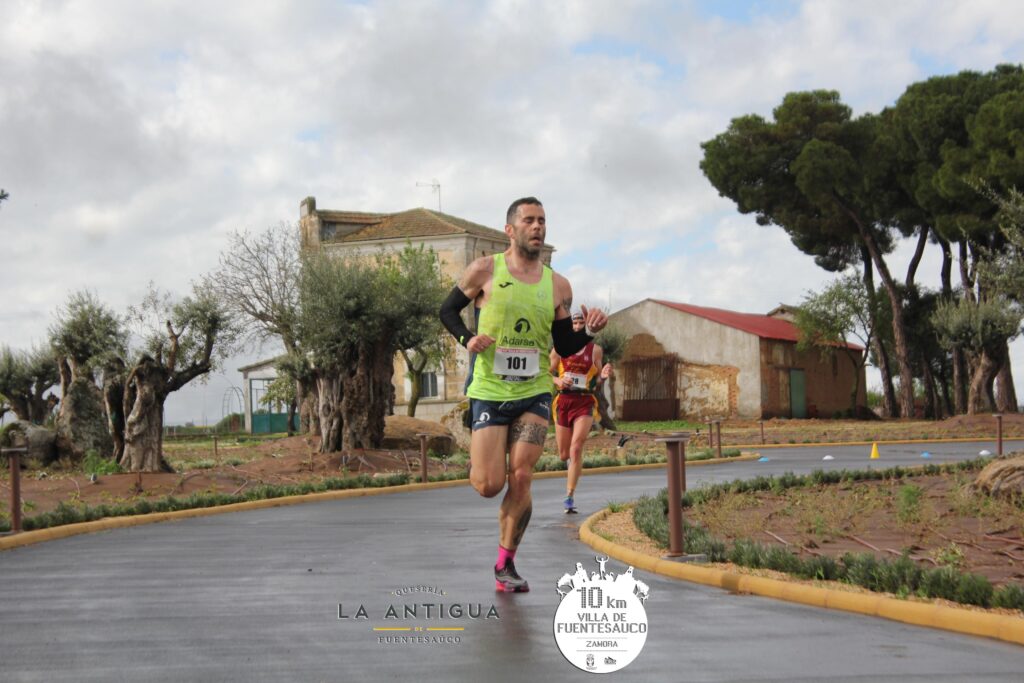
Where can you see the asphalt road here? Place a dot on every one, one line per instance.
(254, 596)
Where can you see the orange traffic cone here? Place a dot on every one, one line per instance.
(874, 451)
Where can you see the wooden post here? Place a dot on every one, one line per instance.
(999, 433)
(14, 454)
(675, 447)
(718, 439)
(423, 456)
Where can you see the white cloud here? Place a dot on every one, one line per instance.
(137, 135)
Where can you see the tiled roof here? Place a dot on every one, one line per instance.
(763, 326)
(413, 223)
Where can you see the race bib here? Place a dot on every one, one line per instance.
(516, 364)
(578, 381)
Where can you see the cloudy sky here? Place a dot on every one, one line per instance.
(135, 136)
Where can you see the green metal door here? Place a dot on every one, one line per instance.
(797, 394)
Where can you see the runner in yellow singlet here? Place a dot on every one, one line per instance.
(523, 306)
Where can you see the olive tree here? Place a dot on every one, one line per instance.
(182, 340)
(355, 315)
(89, 340)
(25, 377)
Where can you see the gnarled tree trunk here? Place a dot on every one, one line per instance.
(113, 403)
(368, 397)
(144, 424)
(979, 398)
(328, 390)
(82, 421)
(1006, 393)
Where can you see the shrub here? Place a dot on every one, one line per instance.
(974, 590)
(1010, 596)
(908, 503)
(860, 569)
(901, 575)
(94, 463)
(940, 582)
(747, 553)
(821, 567)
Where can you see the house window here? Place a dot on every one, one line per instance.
(428, 385)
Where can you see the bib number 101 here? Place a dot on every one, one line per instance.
(516, 362)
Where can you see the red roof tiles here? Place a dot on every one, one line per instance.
(763, 326)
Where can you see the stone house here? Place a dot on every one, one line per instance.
(692, 361)
(456, 241)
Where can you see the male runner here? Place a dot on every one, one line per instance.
(522, 306)
(576, 405)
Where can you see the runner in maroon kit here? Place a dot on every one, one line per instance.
(576, 405)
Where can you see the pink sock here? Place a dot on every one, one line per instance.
(504, 555)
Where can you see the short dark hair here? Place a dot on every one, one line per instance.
(510, 215)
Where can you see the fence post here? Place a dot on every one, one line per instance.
(423, 456)
(711, 434)
(675, 447)
(999, 433)
(718, 437)
(14, 454)
(762, 431)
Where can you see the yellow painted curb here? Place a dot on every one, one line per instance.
(997, 626)
(108, 523)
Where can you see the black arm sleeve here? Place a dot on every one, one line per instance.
(450, 317)
(567, 340)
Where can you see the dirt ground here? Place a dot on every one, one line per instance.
(784, 431)
(939, 520)
(233, 467)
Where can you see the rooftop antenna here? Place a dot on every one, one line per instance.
(436, 186)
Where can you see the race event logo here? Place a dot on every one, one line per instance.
(601, 624)
(417, 615)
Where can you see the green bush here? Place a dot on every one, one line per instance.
(974, 590)
(901, 576)
(940, 582)
(821, 567)
(1010, 596)
(550, 463)
(94, 463)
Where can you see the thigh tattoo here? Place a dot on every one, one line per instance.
(530, 432)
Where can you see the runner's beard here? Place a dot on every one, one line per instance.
(524, 248)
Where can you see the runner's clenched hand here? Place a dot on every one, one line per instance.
(479, 343)
(594, 318)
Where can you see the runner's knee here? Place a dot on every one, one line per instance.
(487, 488)
(519, 481)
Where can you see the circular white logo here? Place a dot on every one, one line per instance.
(601, 624)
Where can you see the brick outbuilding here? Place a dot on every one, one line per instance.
(692, 361)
